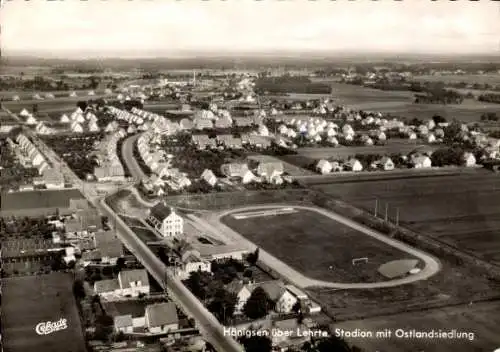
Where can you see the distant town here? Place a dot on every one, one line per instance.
(247, 207)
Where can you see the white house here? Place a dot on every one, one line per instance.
(162, 318)
(128, 315)
(129, 283)
(192, 261)
(166, 220)
(421, 161)
(209, 177)
(324, 166)
(354, 165)
(24, 113)
(64, 118)
(133, 282)
(277, 292)
(31, 120)
(386, 163)
(76, 128)
(431, 138)
(242, 292)
(469, 159)
(412, 136)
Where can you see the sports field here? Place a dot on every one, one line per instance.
(317, 246)
(27, 301)
(461, 210)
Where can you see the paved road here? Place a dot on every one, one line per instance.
(128, 157)
(432, 264)
(207, 323)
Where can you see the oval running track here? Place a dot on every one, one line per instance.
(432, 264)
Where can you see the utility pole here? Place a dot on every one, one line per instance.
(376, 207)
(397, 216)
(386, 211)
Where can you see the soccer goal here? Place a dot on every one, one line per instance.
(357, 261)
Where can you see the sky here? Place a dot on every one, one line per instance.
(148, 28)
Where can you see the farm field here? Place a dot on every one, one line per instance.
(482, 319)
(317, 246)
(461, 210)
(38, 199)
(480, 79)
(468, 111)
(400, 103)
(22, 311)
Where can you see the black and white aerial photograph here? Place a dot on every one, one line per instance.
(249, 176)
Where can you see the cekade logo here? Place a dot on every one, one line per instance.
(48, 327)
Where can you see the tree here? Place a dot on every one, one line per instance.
(257, 343)
(35, 108)
(82, 105)
(258, 304)
(452, 132)
(78, 290)
(438, 119)
(120, 264)
(223, 305)
(252, 258)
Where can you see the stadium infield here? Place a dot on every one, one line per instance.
(317, 246)
(27, 301)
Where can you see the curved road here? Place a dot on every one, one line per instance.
(212, 330)
(432, 264)
(128, 157)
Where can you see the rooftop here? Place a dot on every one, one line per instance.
(162, 314)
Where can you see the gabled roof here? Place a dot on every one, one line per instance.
(133, 308)
(234, 169)
(161, 211)
(106, 286)
(122, 321)
(270, 168)
(235, 286)
(126, 277)
(108, 244)
(162, 314)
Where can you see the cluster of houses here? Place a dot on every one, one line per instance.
(133, 315)
(80, 121)
(28, 117)
(29, 156)
(417, 160)
(41, 128)
(284, 297)
(227, 141)
(269, 172)
(124, 115)
(109, 166)
(159, 163)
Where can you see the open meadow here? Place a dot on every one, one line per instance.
(461, 210)
(480, 319)
(400, 103)
(27, 301)
(469, 78)
(317, 246)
